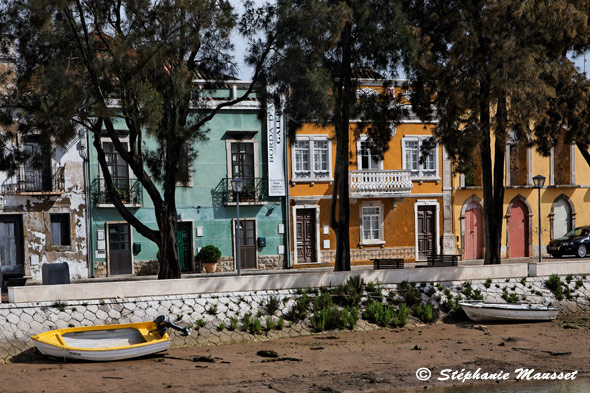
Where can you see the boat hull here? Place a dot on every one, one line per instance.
(509, 312)
(103, 343)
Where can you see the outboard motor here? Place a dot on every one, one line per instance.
(163, 323)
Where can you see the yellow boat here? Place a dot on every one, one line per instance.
(107, 342)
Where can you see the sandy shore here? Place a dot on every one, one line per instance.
(334, 362)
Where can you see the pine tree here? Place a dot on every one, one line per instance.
(489, 71)
(320, 45)
(98, 64)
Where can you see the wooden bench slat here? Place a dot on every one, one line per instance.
(388, 263)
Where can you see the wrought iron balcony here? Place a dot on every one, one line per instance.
(129, 190)
(254, 191)
(380, 183)
(29, 181)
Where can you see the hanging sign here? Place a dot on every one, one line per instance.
(276, 152)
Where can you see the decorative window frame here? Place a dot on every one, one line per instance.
(420, 139)
(124, 140)
(228, 143)
(311, 139)
(381, 240)
(361, 139)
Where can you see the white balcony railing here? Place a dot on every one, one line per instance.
(380, 183)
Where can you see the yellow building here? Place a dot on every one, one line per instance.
(564, 197)
(396, 206)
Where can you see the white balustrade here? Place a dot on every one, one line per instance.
(379, 182)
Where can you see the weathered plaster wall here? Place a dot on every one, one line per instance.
(35, 211)
(20, 321)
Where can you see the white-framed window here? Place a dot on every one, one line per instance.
(312, 158)
(411, 151)
(364, 157)
(372, 224)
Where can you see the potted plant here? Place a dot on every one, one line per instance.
(208, 256)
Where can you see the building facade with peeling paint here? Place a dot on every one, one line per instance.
(237, 146)
(42, 207)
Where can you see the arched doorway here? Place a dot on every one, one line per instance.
(562, 216)
(518, 229)
(473, 231)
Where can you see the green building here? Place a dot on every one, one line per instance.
(238, 146)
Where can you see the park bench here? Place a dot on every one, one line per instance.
(442, 260)
(388, 263)
(12, 276)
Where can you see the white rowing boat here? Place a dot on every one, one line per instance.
(107, 342)
(488, 311)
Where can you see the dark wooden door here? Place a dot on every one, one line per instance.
(426, 231)
(248, 244)
(11, 240)
(119, 249)
(305, 233)
(185, 246)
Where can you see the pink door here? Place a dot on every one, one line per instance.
(473, 231)
(519, 230)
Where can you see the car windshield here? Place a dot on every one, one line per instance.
(577, 232)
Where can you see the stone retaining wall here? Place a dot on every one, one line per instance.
(215, 311)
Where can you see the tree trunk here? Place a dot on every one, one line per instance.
(345, 95)
(169, 266)
(493, 189)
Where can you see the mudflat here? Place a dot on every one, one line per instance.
(372, 361)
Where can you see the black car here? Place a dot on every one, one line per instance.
(575, 242)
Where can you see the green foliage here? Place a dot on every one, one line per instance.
(246, 320)
(554, 284)
(281, 323)
(477, 295)
(270, 323)
(488, 283)
(467, 289)
(233, 324)
(400, 317)
(208, 253)
(385, 314)
(523, 281)
(212, 310)
(409, 294)
(569, 278)
(322, 301)
(221, 326)
(299, 310)
(425, 312)
(579, 283)
(61, 306)
(329, 318)
(255, 326)
(272, 305)
(348, 294)
(510, 298)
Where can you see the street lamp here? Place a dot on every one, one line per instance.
(237, 185)
(539, 181)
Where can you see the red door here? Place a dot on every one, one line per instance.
(473, 231)
(519, 230)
